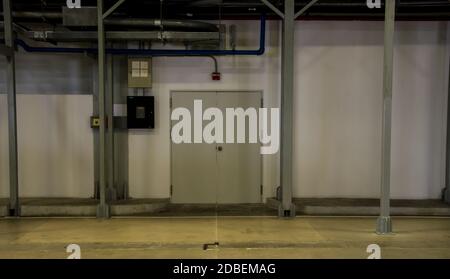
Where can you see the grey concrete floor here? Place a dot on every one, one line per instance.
(239, 237)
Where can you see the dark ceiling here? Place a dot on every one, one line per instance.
(249, 9)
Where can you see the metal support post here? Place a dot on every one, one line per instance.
(384, 223)
(103, 208)
(14, 206)
(287, 207)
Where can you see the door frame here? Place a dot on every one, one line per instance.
(172, 92)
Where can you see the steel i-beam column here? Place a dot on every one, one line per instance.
(14, 205)
(384, 223)
(287, 208)
(103, 208)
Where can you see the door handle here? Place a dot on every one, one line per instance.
(219, 148)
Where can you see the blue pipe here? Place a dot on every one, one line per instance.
(155, 52)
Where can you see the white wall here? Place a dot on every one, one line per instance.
(338, 105)
(338, 97)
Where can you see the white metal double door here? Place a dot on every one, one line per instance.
(228, 173)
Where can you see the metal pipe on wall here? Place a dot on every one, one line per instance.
(384, 223)
(166, 24)
(103, 208)
(14, 205)
(41, 15)
(109, 100)
(96, 132)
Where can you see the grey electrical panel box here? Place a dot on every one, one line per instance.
(139, 72)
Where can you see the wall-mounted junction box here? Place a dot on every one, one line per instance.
(141, 112)
(95, 122)
(139, 72)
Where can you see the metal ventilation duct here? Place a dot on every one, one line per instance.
(87, 17)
